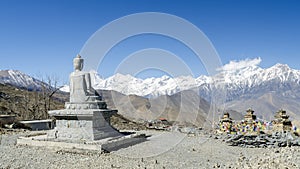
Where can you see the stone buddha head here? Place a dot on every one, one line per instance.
(78, 63)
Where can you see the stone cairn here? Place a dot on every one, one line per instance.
(281, 122)
(250, 117)
(226, 123)
(281, 134)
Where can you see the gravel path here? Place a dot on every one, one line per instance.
(163, 150)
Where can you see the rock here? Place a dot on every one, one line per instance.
(277, 139)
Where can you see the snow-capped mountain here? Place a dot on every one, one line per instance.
(21, 80)
(253, 80)
(240, 85)
(254, 75)
(128, 84)
(233, 79)
(237, 78)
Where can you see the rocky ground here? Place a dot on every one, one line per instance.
(163, 150)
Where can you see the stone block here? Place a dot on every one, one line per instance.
(80, 126)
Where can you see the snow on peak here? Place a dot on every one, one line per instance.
(283, 67)
(65, 88)
(19, 79)
(235, 75)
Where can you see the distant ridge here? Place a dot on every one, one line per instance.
(21, 80)
(266, 90)
(241, 87)
(18, 79)
(236, 82)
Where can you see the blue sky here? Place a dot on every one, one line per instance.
(42, 36)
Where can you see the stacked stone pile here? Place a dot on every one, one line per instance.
(276, 139)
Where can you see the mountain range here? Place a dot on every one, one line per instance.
(266, 90)
(237, 86)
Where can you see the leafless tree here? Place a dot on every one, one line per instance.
(49, 88)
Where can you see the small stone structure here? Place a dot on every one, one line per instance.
(249, 125)
(281, 136)
(38, 124)
(281, 122)
(225, 123)
(250, 117)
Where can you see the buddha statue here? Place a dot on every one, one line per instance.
(81, 89)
